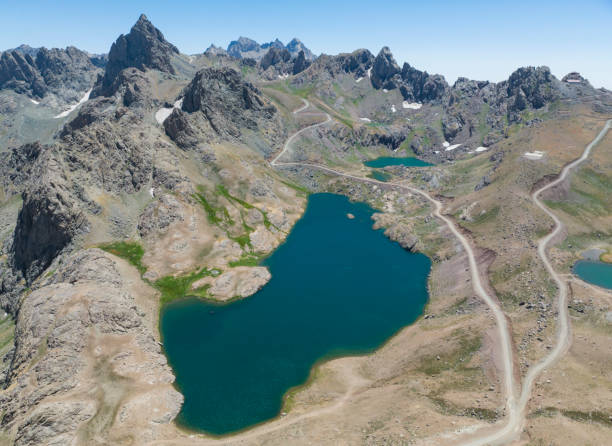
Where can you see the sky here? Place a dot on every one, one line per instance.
(484, 40)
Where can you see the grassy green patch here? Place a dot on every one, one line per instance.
(222, 190)
(486, 216)
(130, 251)
(594, 416)
(448, 408)
(296, 187)
(247, 260)
(177, 287)
(454, 360)
(211, 212)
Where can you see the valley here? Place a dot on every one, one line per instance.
(193, 245)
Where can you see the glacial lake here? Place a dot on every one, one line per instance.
(597, 273)
(385, 161)
(338, 288)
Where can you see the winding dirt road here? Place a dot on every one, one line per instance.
(517, 418)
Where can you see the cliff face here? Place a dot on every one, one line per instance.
(65, 73)
(48, 219)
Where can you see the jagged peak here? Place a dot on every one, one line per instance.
(143, 47)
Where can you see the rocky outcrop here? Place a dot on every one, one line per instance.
(80, 337)
(238, 282)
(356, 63)
(414, 85)
(275, 56)
(279, 62)
(215, 51)
(16, 166)
(144, 47)
(419, 86)
(219, 103)
(300, 63)
(70, 69)
(48, 220)
(531, 87)
(384, 69)
(65, 73)
(18, 72)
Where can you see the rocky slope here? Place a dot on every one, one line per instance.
(64, 73)
(218, 103)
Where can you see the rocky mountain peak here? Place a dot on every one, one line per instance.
(245, 48)
(531, 86)
(384, 68)
(219, 103)
(242, 45)
(296, 46)
(274, 56)
(214, 50)
(276, 43)
(420, 86)
(144, 47)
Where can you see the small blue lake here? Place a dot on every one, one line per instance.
(338, 288)
(385, 161)
(597, 273)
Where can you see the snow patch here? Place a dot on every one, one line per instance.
(283, 76)
(445, 144)
(365, 119)
(385, 90)
(358, 80)
(481, 149)
(453, 147)
(535, 155)
(72, 108)
(411, 105)
(393, 109)
(152, 192)
(370, 72)
(436, 151)
(162, 114)
(34, 102)
(574, 81)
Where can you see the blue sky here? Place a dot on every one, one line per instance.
(476, 39)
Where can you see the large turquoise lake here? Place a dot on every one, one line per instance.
(597, 273)
(338, 288)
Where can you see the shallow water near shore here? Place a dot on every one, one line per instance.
(597, 273)
(338, 288)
